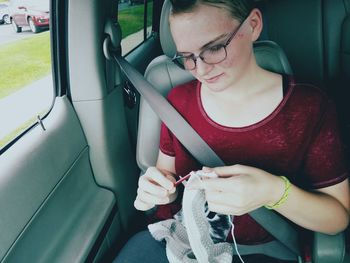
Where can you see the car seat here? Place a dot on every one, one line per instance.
(164, 75)
(315, 34)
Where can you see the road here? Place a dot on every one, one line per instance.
(21, 106)
(7, 34)
(28, 102)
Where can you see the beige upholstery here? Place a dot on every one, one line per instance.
(164, 75)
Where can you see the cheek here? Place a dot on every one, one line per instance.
(233, 56)
(197, 76)
(237, 54)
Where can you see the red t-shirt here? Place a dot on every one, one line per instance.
(299, 140)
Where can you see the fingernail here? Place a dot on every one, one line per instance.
(206, 169)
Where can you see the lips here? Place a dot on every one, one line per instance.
(214, 79)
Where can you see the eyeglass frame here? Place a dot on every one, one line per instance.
(195, 58)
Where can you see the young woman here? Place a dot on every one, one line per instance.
(279, 138)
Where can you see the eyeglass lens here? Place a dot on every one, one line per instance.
(211, 55)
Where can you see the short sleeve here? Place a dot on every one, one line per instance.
(325, 162)
(166, 141)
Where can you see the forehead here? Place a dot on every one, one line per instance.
(192, 30)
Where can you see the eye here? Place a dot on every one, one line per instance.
(215, 48)
(187, 58)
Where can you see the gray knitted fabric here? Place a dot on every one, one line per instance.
(189, 240)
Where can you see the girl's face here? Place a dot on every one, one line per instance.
(205, 28)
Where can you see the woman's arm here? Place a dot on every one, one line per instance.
(166, 163)
(241, 189)
(325, 210)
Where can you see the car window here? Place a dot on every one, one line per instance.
(26, 87)
(135, 28)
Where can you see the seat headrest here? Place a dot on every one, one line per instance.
(268, 54)
(166, 39)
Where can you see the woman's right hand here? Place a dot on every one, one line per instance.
(156, 187)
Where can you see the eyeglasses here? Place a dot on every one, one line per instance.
(211, 55)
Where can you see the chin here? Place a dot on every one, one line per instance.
(216, 87)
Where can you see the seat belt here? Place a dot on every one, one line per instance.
(201, 151)
(194, 143)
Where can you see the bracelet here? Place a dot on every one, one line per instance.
(287, 186)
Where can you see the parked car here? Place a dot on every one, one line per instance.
(4, 14)
(34, 14)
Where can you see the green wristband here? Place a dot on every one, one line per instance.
(287, 186)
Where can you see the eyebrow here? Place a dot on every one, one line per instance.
(207, 44)
(213, 41)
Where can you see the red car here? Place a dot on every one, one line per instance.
(34, 14)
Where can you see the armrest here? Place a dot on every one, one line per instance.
(328, 248)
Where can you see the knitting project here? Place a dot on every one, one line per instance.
(189, 236)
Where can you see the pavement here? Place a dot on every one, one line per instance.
(21, 106)
(7, 35)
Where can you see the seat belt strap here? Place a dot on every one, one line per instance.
(200, 150)
(169, 115)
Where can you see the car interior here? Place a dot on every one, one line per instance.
(68, 182)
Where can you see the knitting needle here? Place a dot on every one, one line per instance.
(182, 179)
(199, 173)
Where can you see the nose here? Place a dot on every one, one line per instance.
(202, 68)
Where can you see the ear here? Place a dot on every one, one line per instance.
(256, 23)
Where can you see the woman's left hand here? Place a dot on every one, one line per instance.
(240, 189)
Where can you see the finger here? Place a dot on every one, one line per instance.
(158, 177)
(170, 177)
(223, 198)
(228, 199)
(142, 206)
(230, 209)
(148, 186)
(173, 180)
(172, 197)
(221, 209)
(207, 169)
(237, 169)
(219, 184)
(152, 199)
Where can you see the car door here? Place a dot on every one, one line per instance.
(68, 176)
(19, 12)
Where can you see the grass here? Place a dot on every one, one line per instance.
(27, 60)
(131, 19)
(23, 62)
(5, 140)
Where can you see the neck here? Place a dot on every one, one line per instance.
(246, 84)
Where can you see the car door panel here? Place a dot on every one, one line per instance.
(68, 190)
(57, 210)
